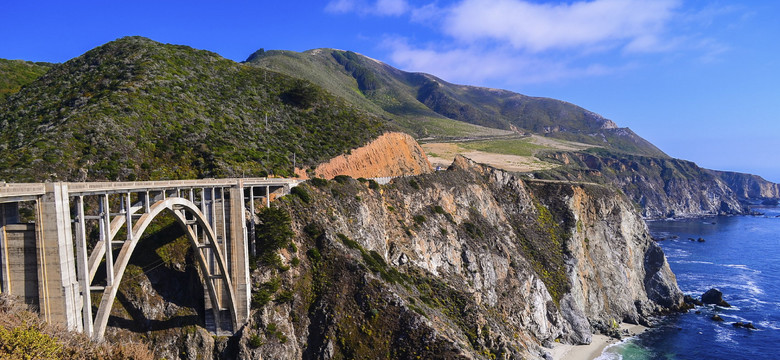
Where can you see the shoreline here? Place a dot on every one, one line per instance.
(596, 346)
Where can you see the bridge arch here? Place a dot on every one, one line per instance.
(202, 239)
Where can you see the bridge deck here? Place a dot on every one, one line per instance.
(15, 192)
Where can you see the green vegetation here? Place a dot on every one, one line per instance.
(24, 335)
(170, 112)
(374, 261)
(272, 233)
(17, 73)
(519, 147)
(300, 192)
(427, 106)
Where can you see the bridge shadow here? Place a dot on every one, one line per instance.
(161, 273)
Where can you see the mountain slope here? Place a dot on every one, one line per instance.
(662, 187)
(138, 109)
(17, 73)
(408, 97)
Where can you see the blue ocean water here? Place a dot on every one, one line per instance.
(741, 257)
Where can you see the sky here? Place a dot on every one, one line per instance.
(699, 79)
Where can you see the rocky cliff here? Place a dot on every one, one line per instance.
(661, 187)
(392, 154)
(750, 187)
(472, 262)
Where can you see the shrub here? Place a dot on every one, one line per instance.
(314, 254)
(373, 185)
(28, 342)
(472, 230)
(255, 341)
(318, 182)
(273, 233)
(419, 219)
(414, 184)
(301, 193)
(341, 179)
(352, 244)
(284, 297)
(314, 230)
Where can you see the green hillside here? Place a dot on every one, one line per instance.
(371, 86)
(415, 100)
(17, 73)
(138, 109)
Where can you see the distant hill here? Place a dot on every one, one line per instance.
(139, 109)
(17, 73)
(417, 101)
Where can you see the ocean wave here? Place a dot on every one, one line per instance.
(691, 262)
(772, 325)
(741, 267)
(724, 335)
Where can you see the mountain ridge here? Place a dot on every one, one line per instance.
(375, 84)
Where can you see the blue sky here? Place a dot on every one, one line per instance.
(700, 79)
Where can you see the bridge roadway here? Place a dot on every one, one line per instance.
(53, 262)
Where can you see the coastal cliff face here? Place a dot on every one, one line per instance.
(750, 187)
(472, 262)
(662, 187)
(392, 154)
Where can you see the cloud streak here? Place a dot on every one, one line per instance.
(532, 42)
(380, 7)
(540, 27)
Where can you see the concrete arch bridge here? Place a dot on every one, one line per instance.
(54, 265)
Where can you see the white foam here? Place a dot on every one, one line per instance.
(724, 335)
(741, 267)
(691, 262)
(772, 325)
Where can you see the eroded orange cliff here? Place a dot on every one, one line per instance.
(392, 154)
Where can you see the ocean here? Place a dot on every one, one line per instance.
(741, 257)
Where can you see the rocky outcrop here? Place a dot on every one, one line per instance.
(463, 263)
(662, 187)
(749, 187)
(392, 154)
(715, 297)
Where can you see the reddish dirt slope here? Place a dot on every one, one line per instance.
(392, 154)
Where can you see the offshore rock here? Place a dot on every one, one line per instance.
(714, 296)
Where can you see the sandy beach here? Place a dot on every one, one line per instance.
(594, 349)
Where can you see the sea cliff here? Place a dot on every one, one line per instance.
(472, 262)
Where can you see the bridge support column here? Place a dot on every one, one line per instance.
(5, 269)
(239, 252)
(59, 288)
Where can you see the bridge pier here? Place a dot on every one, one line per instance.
(59, 289)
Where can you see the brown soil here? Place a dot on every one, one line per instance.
(392, 154)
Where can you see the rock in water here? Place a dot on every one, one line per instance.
(746, 325)
(717, 318)
(714, 296)
(691, 300)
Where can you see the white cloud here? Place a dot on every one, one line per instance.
(340, 6)
(526, 41)
(362, 7)
(540, 27)
(391, 7)
(475, 64)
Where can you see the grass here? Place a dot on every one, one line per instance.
(517, 147)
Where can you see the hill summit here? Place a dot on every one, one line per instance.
(138, 109)
(428, 106)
